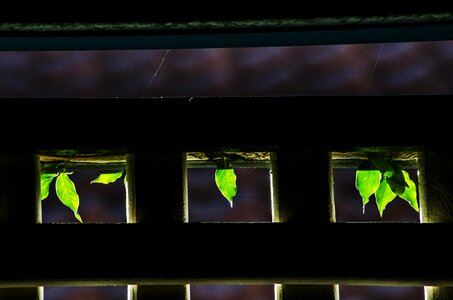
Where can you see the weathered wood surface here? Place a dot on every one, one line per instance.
(367, 33)
(436, 203)
(158, 292)
(113, 163)
(56, 161)
(165, 14)
(19, 187)
(157, 194)
(293, 254)
(438, 293)
(302, 188)
(335, 130)
(302, 192)
(27, 293)
(162, 29)
(19, 205)
(304, 292)
(436, 187)
(157, 191)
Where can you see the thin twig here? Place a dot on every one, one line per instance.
(374, 68)
(155, 73)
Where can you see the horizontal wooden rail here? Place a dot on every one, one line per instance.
(83, 254)
(231, 124)
(324, 24)
(190, 13)
(112, 163)
(288, 37)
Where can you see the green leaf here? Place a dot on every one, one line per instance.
(397, 181)
(410, 193)
(46, 180)
(66, 192)
(107, 178)
(384, 195)
(367, 182)
(398, 175)
(226, 182)
(78, 217)
(396, 187)
(380, 163)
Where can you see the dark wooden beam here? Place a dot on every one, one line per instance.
(157, 188)
(19, 205)
(225, 253)
(328, 35)
(302, 188)
(436, 202)
(305, 124)
(19, 189)
(27, 293)
(157, 194)
(304, 197)
(303, 292)
(129, 27)
(57, 162)
(136, 11)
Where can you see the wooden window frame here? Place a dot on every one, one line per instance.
(290, 261)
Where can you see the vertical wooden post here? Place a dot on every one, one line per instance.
(22, 293)
(435, 182)
(19, 189)
(302, 192)
(306, 292)
(438, 293)
(157, 193)
(302, 188)
(20, 204)
(156, 292)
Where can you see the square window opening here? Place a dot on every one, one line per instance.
(72, 192)
(86, 292)
(351, 292)
(231, 292)
(348, 201)
(251, 202)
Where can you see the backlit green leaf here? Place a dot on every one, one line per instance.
(396, 180)
(384, 195)
(67, 193)
(46, 180)
(380, 163)
(78, 217)
(398, 175)
(226, 182)
(107, 178)
(410, 193)
(367, 182)
(396, 187)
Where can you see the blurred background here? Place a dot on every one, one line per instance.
(371, 69)
(397, 68)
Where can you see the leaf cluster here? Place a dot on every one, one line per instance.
(385, 179)
(66, 190)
